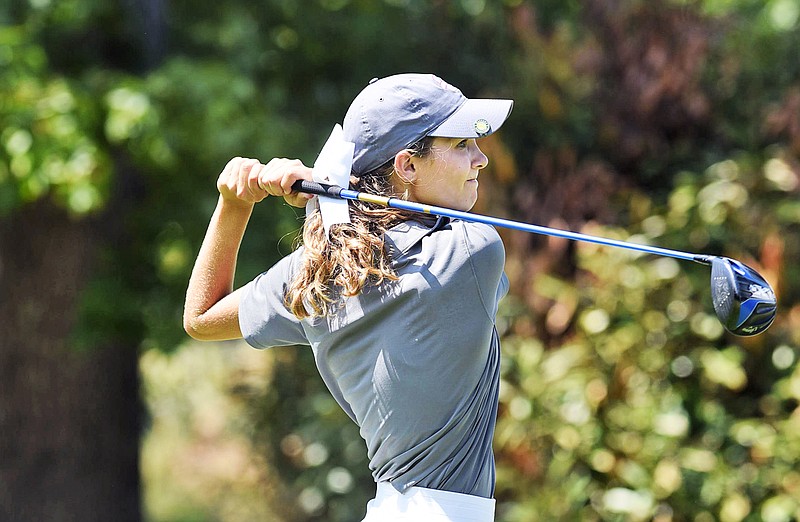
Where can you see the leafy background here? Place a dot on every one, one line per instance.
(675, 123)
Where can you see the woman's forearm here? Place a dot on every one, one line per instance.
(211, 311)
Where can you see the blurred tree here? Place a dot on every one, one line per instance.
(623, 398)
(71, 418)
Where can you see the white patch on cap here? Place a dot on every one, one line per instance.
(482, 127)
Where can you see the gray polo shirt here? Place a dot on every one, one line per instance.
(414, 362)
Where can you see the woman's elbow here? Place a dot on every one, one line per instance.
(215, 328)
(193, 327)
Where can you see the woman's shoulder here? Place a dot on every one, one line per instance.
(477, 229)
(284, 269)
(478, 236)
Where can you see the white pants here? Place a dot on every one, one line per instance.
(427, 505)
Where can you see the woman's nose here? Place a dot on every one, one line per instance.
(479, 159)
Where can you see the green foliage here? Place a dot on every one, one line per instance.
(48, 124)
(197, 458)
(649, 410)
(316, 448)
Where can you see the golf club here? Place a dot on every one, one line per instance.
(743, 300)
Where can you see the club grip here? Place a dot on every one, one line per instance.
(320, 189)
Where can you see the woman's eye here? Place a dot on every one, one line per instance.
(462, 144)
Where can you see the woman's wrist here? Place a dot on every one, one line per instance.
(235, 205)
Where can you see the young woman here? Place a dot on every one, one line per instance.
(398, 309)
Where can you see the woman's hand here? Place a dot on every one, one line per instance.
(247, 181)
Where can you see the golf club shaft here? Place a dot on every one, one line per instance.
(334, 191)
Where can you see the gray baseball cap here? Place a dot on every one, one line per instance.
(395, 112)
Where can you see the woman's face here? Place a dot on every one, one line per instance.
(448, 175)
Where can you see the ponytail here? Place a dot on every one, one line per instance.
(353, 255)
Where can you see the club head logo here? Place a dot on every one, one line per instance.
(761, 292)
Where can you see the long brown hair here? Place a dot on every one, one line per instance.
(353, 255)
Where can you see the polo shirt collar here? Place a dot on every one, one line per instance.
(400, 238)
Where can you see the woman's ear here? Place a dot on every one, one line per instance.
(404, 167)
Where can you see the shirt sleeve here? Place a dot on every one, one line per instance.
(264, 319)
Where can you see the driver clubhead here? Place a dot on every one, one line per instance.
(743, 300)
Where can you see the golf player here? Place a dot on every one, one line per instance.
(398, 308)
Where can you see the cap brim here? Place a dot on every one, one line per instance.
(475, 118)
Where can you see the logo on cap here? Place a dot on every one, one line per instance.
(482, 127)
(444, 85)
